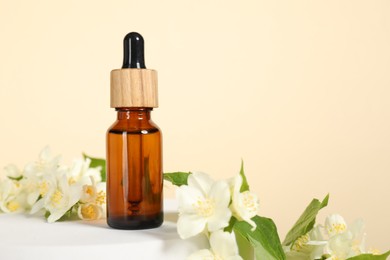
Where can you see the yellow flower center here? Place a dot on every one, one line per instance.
(101, 198)
(249, 201)
(43, 188)
(205, 208)
(13, 206)
(217, 257)
(300, 243)
(89, 212)
(337, 228)
(71, 181)
(56, 197)
(89, 190)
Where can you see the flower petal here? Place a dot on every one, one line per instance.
(340, 245)
(37, 206)
(12, 171)
(220, 193)
(203, 254)
(316, 234)
(223, 244)
(187, 196)
(189, 225)
(32, 197)
(74, 195)
(45, 154)
(56, 215)
(219, 220)
(236, 257)
(357, 228)
(200, 181)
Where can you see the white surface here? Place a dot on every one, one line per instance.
(26, 237)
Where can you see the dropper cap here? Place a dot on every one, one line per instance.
(133, 85)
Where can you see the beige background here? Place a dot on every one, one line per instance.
(298, 89)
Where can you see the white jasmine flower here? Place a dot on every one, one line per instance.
(89, 193)
(59, 199)
(94, 193)
(349, 243)
(12, 171)
(335, 224)
(80, 172)
(223, 247)
(245, 205)
(92, 201)
(358, 237)
(12, 200)
(38, 186)
(15, 205)
(90, 211)
(309, 246)
(203, 204)
(46, 164)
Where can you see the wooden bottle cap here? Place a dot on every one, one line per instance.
(134, 88)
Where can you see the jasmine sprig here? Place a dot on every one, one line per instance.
(58, 190)
(255, 236)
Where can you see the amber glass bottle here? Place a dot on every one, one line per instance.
(134, 145)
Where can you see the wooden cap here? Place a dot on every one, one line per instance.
(134, 88)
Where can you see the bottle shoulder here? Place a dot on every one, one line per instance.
(144, 127)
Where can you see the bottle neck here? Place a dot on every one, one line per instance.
(133, 113)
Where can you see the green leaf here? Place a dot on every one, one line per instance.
(371, 257)
(245, 248)
(245, 185)
(177, 178)
(264, 239)
(71, 214)
(96, 162)
(306, 221)
(229, 228)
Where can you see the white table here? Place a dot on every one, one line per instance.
(25, 237)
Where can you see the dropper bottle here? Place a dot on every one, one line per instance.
(134, 144)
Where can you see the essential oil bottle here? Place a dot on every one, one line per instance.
(134, 144)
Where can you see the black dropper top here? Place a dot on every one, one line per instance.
(133, 51)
